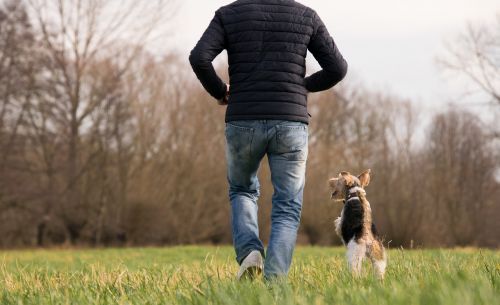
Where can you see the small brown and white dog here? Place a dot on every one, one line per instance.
(355, 226)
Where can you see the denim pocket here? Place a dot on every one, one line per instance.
(292, 141)
(239, 141)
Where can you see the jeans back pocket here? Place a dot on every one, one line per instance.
(292, 141)
(239, 141)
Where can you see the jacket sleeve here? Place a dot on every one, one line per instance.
(323, 48)
(211, 44)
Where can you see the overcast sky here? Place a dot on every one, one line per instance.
(389, 44)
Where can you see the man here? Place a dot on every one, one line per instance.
(267, 43)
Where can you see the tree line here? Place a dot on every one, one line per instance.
(103, 143)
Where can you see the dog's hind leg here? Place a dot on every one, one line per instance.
(355, 254)
(378, 257)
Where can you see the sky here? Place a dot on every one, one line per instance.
(390, 45)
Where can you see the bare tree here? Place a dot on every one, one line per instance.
(461, 176)
(78, 38)
(17, 71)
(475, 55)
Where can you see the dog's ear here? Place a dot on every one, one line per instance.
(348, 178)
(364, 178)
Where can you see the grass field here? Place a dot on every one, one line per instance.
(205, 275)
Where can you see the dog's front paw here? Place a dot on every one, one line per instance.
(337, 223)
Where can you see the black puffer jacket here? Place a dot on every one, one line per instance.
(267, 43)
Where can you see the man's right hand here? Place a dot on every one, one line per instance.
(225, 100)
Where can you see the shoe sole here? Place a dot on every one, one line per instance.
(251, 273)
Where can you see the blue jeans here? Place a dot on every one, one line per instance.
(286, 146)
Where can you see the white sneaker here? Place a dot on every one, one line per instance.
(251, 266)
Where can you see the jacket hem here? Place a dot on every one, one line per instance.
(284, 117)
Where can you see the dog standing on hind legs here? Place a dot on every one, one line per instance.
(355, 225)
